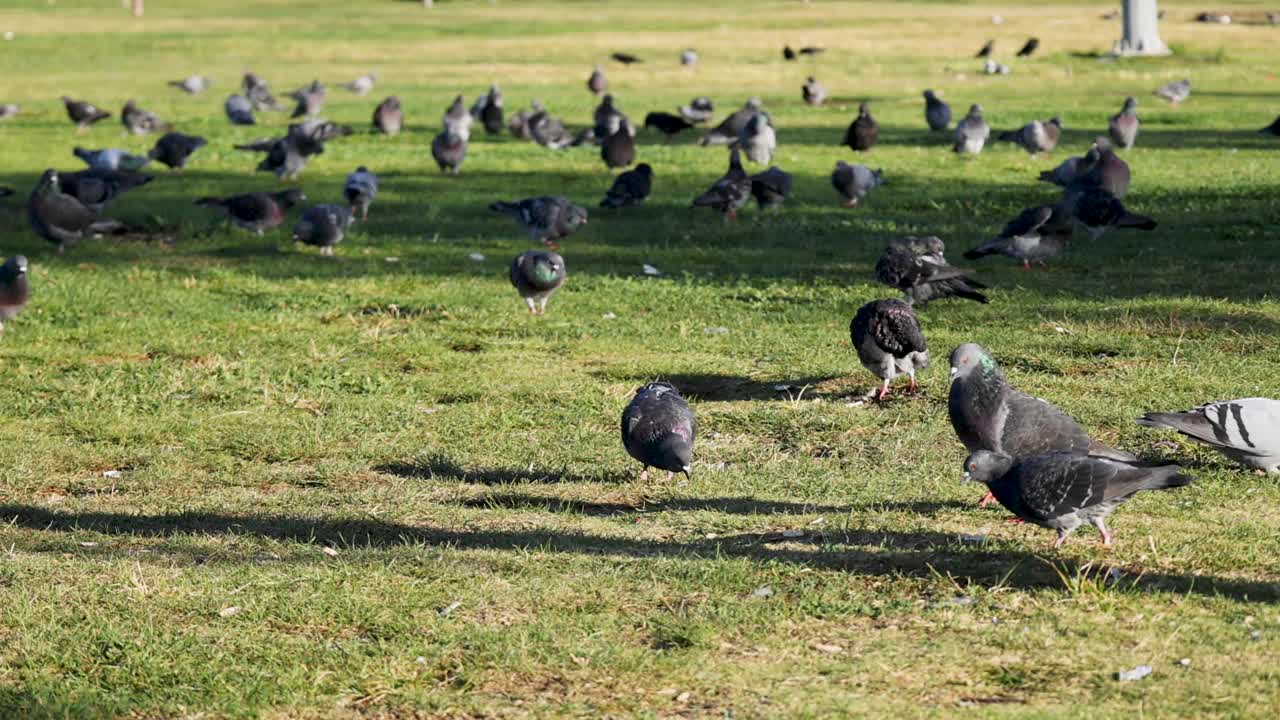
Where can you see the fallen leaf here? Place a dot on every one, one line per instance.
(329, 551)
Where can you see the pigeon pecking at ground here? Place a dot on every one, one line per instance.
(546, 219)
(972, 132)
(388, 118)
(191, 85)
(658, 429)
(14, 288)
(537, 275)
(449, 149)
(1064, 172)
(666, 123)
(1036, 235)
(323, 226)
(1123, 126)
(97, 189)
(918, 268)
(60, 218)
(547, 130)
(1029, 47)
(1035, 137)
(1175, 92)
(699, 110)
(83, 114)
(257, 211)
(629, 188)
(758, 139)
(771, 188)
(863, 132)
(730, 192)
(140, 122)
(360, 188)
(730, 129)
(887, 337)
(1063, 490)
(1102, 168)
(853, 182)
(111, 159)
(812, 92)
(239, 110)
(1245, 430)
(936, 112)
(597, 83)
(363, 84)
(173, 149)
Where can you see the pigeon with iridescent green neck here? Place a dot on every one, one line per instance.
(536, 275)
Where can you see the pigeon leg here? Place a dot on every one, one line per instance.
(644, 474)
(986, 499)
(670, 476)
(914, 386)
(542, 306)
(1026, 264)
(1102, 528)
(852, 203)
(1062, 537)
(1015, 521)
(533, 309)
(884, 392)
(61, 248)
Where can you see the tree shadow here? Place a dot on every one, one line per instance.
(438, 467)
(726, 505)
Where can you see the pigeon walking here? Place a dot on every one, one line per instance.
(257, 211)
(1063, 490)
(771, 188)
(666, 123)
(699, 110)
(140, 122)
(758, 139)
(1102, 168)
(83, 114)
(658, 429)
(813, 92)
(61, 219)
(388, 118)
(730, 129)
(1123, 126)
(597, 83)
(972, 132)
(619, 149)
(173, 149)
(111, 159)
(629, 188)
(239, 110)
(853, 182)
(918, 268)
(449, 149)
(1245, 430)
(363, 84)
(9, 110)
(728, 194)
(1035, 137)
(887, 337)
(546, 219)
(863, 132)
(1036, 235)
(360, 188)
(191, 85)
(1029, 48)
(936, 112)
(97, 189)
(537, 275)
(14, 288)
(323, 226)
(1175, 92)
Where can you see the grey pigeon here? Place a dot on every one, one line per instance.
(853, 182)
(1175, 92)
(991, 67)
(918, 268)
(360, 188)
(1097, 211)
(1101, 167)
(658, 429)
(1123, 126)
(699, 110)
(256, 90)
(9, 110)
(788, 54)
(1037, 234)
(239, 110)
(140, 122)
(985, 51)
(536, 275)
(758, 139)
(666, 123)
(363, 84)
(14, 288)
(547, 130)
(863, 132)
(388, 118)
(771, 188)
(83, 114)
(491, 114)
(730, 129)
(1273, 128)
(689, 57)
(173, 149)
(449, 150)
(607, 119)
(287, 156)
(812, 92)
(192, 85)
(728, 194)
(111, 159)
(1065, 172)
(1030, 47)
(619, 149)
(1246, 430)
(310, 100)
(629, 188)
(936, 112)
(257, 211)
(60, 218)
(546, 219)
(597, 83)
(323, 226)
(97, 189)
(1063, 490)
(887, 337)
(972, 132)
(518, 125)
(457, 121)
(1035, 137)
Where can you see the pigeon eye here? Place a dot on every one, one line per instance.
(973, 466)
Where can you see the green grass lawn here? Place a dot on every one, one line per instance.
(240, 479)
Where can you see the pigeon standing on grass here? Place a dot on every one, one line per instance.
(1035, 137)
(863, 132)
(771, 188)
(728, 194)
(666, 123)
(457, 121)
(887, 337)
(813, 92)
(192, 85)
(730, 129)
(1064, 490)
(658, 429)
(536, 275)
(1029, 48)
(596, 82)
(985, 51)
(323, 226)
(97, 189)
(689, 57)
(853, 182)
(9, 110)
(1097, 211)
(1246, 430)
(83, 114)
(256, 212)
(360, 188)
(629, 188)
(449, 149)
(174, 149)
(758, 139)
(61, 219)
(619, 149)
(14, 288)
(1036, 235)
(388, 118)
(111, 159)
(546, 219)
(363, 84)
(918, 268)
(1273, 128)
(1175, 92)
(140, 122)
(491, 114)
(625, 58)
(1123, 126)
(972, 132)
(1102, 168)
(607, 119)
(936, 112)
(239, 110)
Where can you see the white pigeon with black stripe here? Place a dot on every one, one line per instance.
(1245, 430)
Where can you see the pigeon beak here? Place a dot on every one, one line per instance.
(686, 472)
(954, 370)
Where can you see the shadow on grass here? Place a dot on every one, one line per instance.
(441, 468)
(871, 552)
(727, 505)
(714, 387)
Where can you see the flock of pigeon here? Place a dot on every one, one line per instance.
(1035, 459)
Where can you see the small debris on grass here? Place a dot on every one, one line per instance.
(819, 521)
(827, 648)
(448, 609)
(331, 552)
(961, 601)
(716, 330)
(651, 270)
(1185, 662)
(609, 316)
(88, 544)
(428, 410)
(1135, 674)
(711, 536)
(420, 660)
(111, 473)
(1062, 330)
(763, 591)
(391, 259)
(1114, 575)
(478, 257)
(683, 697)
(1255, 635)
(227, 612)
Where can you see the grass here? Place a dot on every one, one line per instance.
(350, 487)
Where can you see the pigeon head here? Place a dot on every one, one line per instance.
(864, 109)
(17, 264)
(644, 169)
(547, 267)
(1103, 144)
(878, 176)
(362, 169)
(1055, 121)
(975, 110)
(1130, 104)
(969, 357)
(985, 466)
(929, 96)
(810, 79)
(48, 181)
(701, 102)
(574, 216)
(754, 103)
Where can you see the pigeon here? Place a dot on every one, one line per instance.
(83, 114)
(936, 112)
(9, 110)
(1063, 490)
(758, 140)
(257, 211)
(986, 49)
(239, 110)
(449, 150)
(1065, 172)
(287, 156)
(1037, 234)
(666, 123)
(689, 57)
(192, 85)
(625, 58)
(991, 67)
(536, 275)
(607, 119)
(97, 189)
(256, 90)
(1097, 211)
(1029, 48)
(788, 54)
(173, 149)
(1273, 128)
(111, 159)
(771, 188)
(491, 114)
(658, 429)
(360, 188)
(60, 218)
(887, 337)
(323, 226)
(140, 122)
(1214, 18)
(14, 289)
(1035, 137)
(619, 149)
(548, 131)
(363, 84)
(388, 118)
(1123, 126)
(863, 132)
(629, 188)
(989, 414)
(1175, 92)
(1101, 167)
(547, 218)
(699, 110)
(730, 129)
(457, 121)
(917, 267)
(730, 192)
(972, 132)
(1246, 430)
(810, 50)
(310, 100)
(812, 92)
(596, 82)
(853, 182)
(518, 125)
